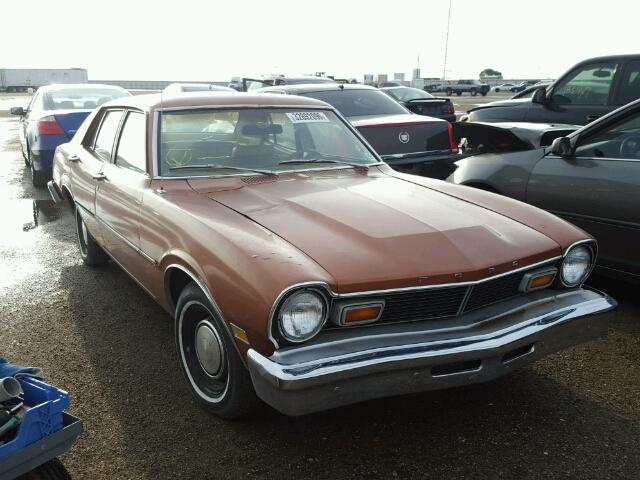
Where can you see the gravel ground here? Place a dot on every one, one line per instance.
(574, 415)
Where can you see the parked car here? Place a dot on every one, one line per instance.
(504, 87)
(52, 118)
(519, 87)
(591, 177)
(589, 90)
(422, 103)
(474, 87)
(410, 143)
(249, 84)
(174, 88)
(302, 270)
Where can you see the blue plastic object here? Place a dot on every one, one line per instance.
(44, 418)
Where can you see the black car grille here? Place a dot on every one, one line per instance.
(445, 302)
(422, 304)
(493, 291)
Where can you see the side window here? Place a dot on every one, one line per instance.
(621, 140)
(34, 104)
(106, 135)
(630, 85)
(586, 85)
(132, 151)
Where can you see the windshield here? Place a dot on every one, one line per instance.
(81, 98)
(407, 94)
(358, 103)
(222, 142)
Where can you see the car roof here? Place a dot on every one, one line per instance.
(157, 101)
(77, 86)
(316, 87)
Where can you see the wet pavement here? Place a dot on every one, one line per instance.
(98, 335)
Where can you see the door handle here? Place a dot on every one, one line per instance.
(99, 176)
(73, 158)
(591, 118)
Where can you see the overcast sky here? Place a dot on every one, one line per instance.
(214, 40)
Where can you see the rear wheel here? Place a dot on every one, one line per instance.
(217, 378)
(38, 177)
(91, 253)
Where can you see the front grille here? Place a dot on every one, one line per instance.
(422, 304)
(493, 291)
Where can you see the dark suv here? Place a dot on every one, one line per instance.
(474, 87)
(589, 90)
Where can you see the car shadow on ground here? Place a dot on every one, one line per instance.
(528, 425)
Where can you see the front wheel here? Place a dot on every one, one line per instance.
(217, 378)
(91, 253)
(449, 92)
(474, 92)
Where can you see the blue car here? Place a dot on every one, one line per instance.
(52, 118)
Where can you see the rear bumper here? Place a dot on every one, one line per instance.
(309, 379)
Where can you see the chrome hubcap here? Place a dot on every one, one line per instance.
(209, 349)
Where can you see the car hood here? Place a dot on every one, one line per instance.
(503, 103)
(371, 231)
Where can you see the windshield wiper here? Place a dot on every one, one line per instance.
(228, 167)
(326, 159)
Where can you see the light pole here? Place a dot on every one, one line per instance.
(446, 44)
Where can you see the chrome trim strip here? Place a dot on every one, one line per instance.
(465, 300)
(148, 258)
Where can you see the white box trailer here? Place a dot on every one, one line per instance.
(21, 79)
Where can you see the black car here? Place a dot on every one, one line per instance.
(423, 103)
(589, 90)
(407, 142)
(590, 176)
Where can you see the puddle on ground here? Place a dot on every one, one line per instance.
(44, 211)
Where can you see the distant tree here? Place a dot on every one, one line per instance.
(490, 72)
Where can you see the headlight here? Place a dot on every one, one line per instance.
(302, 315)
(576, 266)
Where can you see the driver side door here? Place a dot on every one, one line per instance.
(598, 189)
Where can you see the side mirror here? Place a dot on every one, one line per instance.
(17, 111)
(540, 96)
(561, 147)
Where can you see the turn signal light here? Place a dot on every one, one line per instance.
(536, 280)
(49, 126)
(365, 314)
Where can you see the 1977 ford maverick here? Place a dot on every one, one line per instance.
(301, 269)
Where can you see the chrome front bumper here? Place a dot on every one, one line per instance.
(306, 379)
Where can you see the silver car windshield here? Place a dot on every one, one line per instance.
(250, 141)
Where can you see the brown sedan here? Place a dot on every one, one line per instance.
(301, 269)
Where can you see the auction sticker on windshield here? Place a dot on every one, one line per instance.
(307, 117)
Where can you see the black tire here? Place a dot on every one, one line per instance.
(91, 253)
(474, 92)
(52, 470)
(449, 92)
(458, 93)
(484, 94)
(495, 90)
(38, 177)
(25, 155)
(216, 376)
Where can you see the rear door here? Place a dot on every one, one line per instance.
(119, 194)
(599, 190)
(580, 97)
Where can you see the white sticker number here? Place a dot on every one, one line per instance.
(307, 117)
